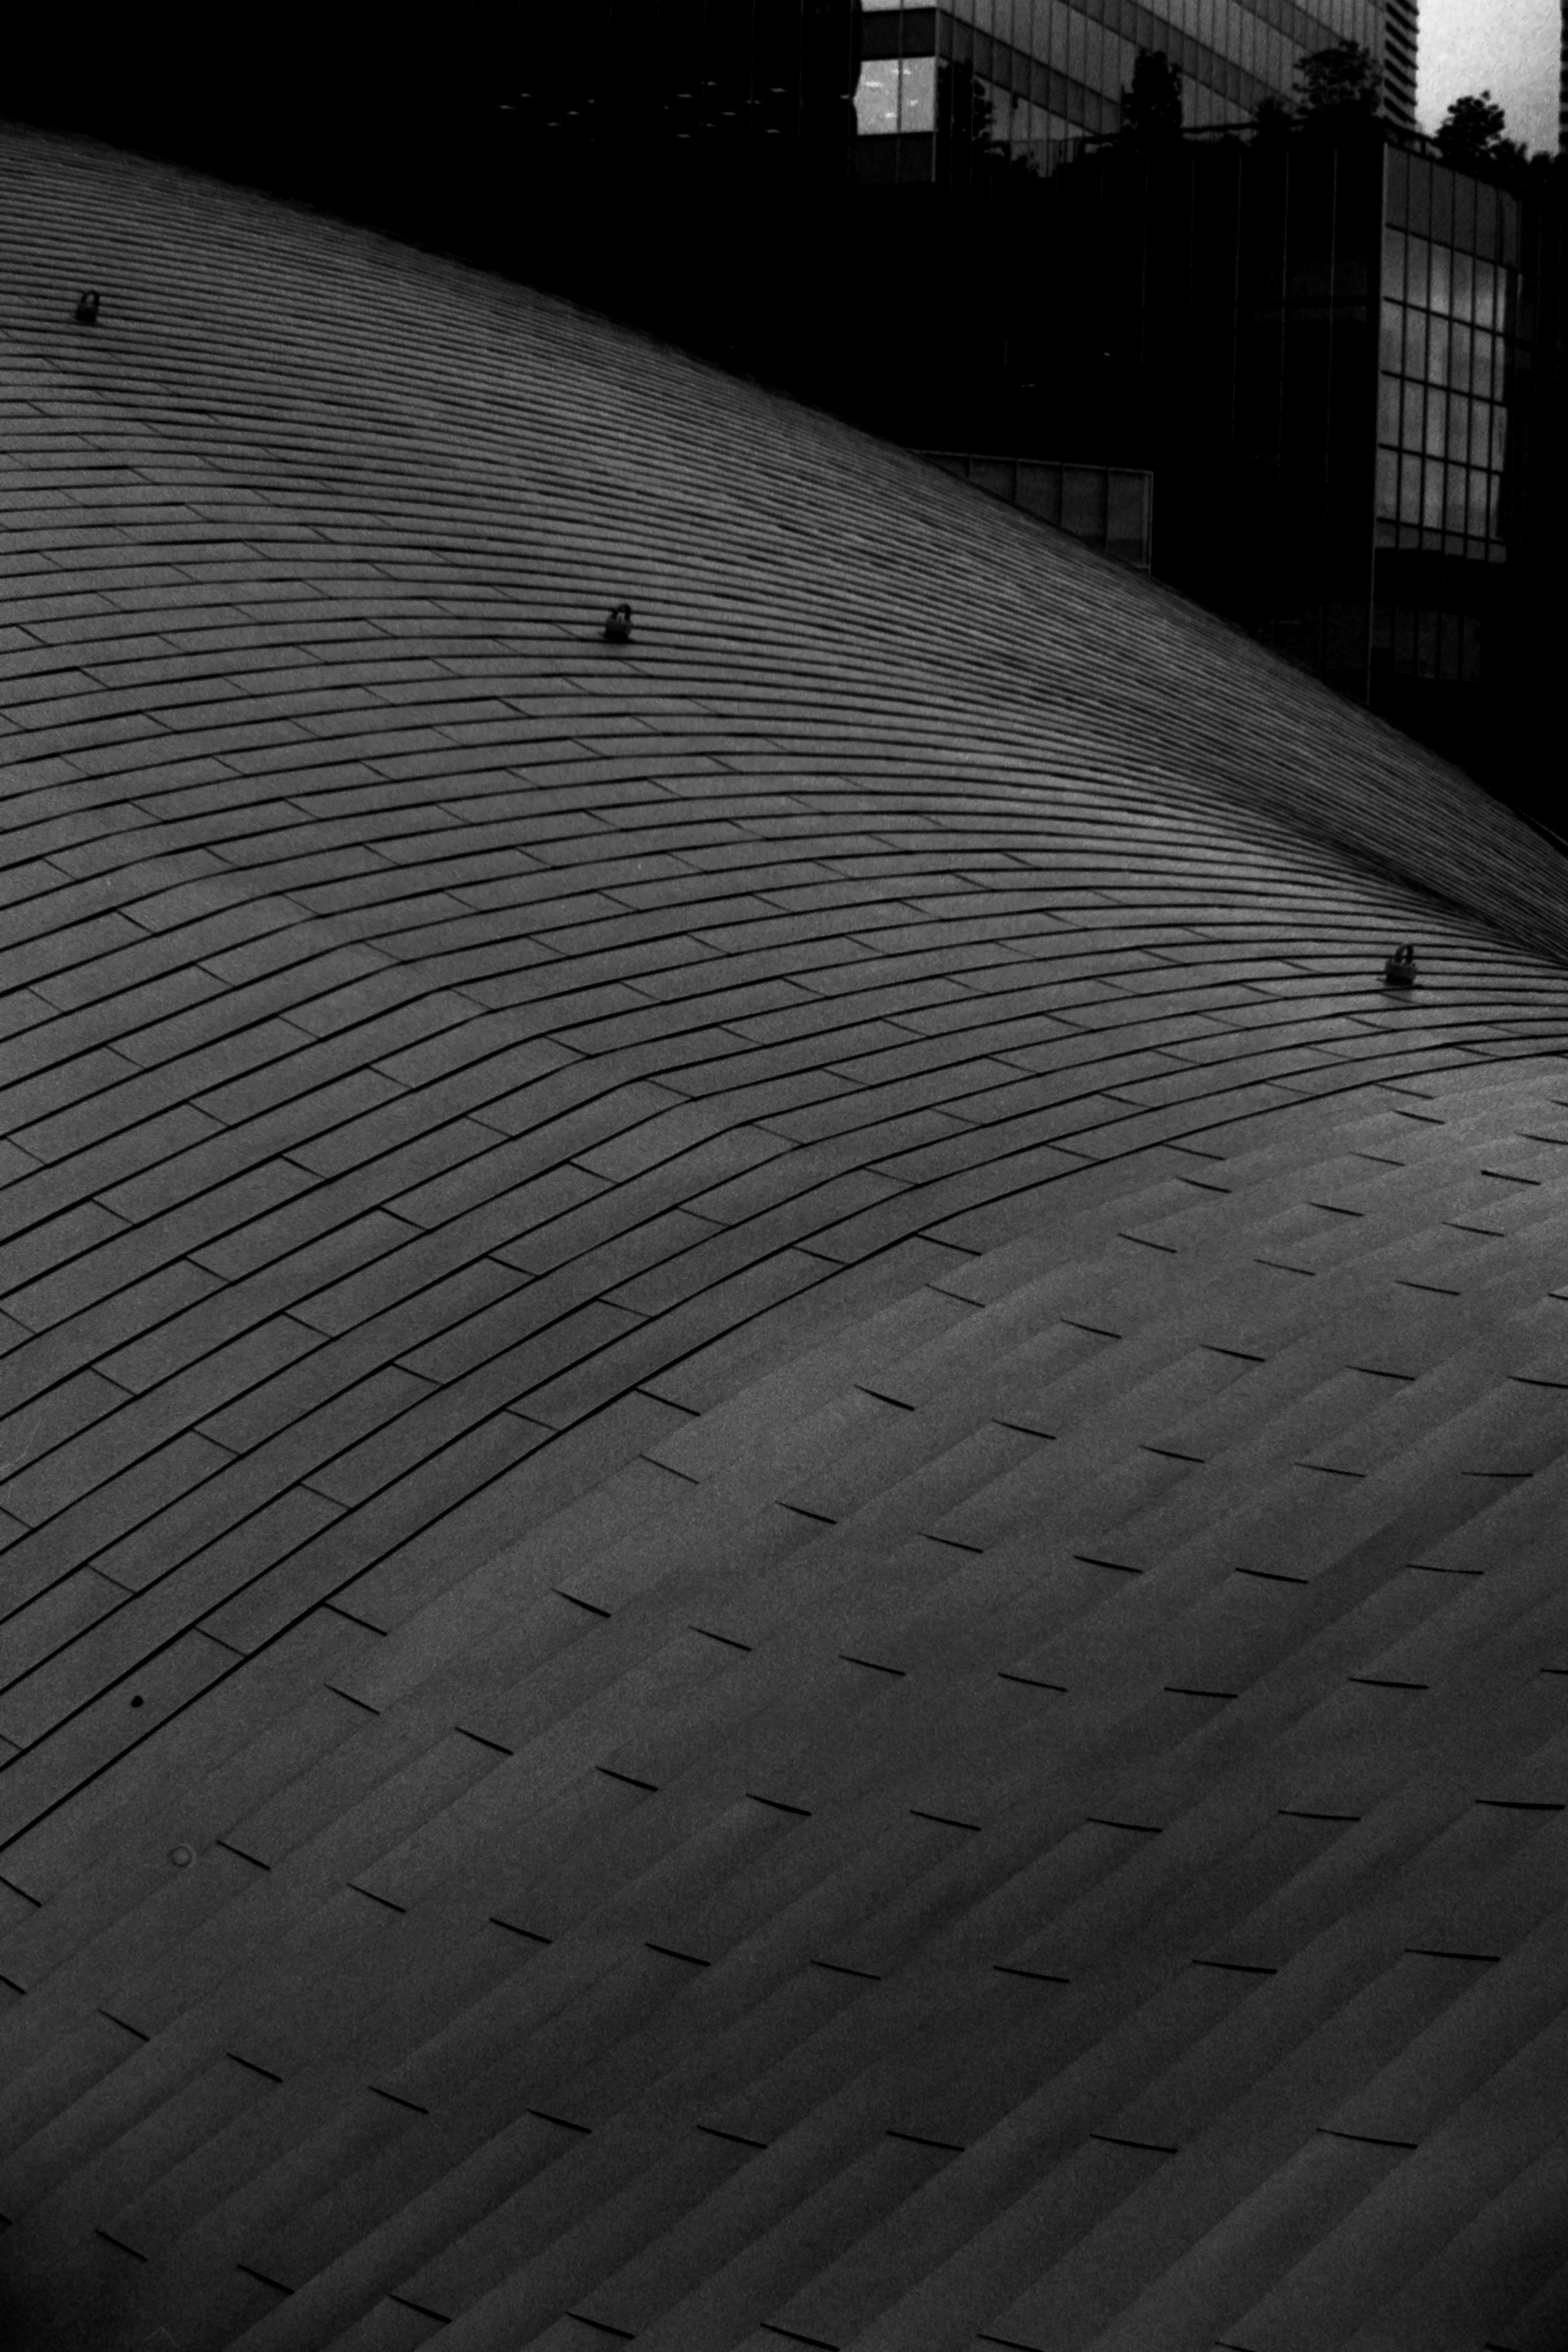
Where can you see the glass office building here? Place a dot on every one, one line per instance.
(1318, 345)
(1450, 338)
(1026, 76)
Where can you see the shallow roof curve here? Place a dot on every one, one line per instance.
(780, 1474)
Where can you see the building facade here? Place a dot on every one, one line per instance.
(1340, 361)
(1025, 75)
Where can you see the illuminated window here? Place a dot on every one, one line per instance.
(896, 94)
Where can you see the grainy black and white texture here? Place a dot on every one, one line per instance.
(781, 1483)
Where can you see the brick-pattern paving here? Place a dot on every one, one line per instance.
(780, 1479)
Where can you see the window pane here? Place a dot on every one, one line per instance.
(1487, 210)
(1398, 184)
(1439, 292)
(1416, 255)
(1410, 489)
(1393, 265)
(1455, 507)
(1477, 506)
(1414, 432)
(1388, 409)
(1459, 425)
(1480, 433)
(1437, 352)
(1485, 294)
(917, 95)
(1463, 302)
(1432, 499)
(1461, 350)
(1387, 484)
(1393, 335)
(1415, 343)
(877, 98)
(1436, 440)
(1481, 364)
(1419, 215)
(1500, 438)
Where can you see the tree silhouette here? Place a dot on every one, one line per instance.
(1470, 137)
(1339, 83)
(1151, 107)
(1470, 130)
(971, 155)
(1274, 118)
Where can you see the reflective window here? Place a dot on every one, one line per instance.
(1438, 350)
(1394, 264)
(1414, 430)
(1410, 489)
(1461, 349)
(1479, 514)
(1415, 343)
(877, 97)
(1436, 437)
(1481, 433)
(1387, 484)
(1439, 288)
(1442, 427)
(1463, 302)
(896, 94)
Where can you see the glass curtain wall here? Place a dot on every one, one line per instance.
(1448, 343)
(1020, 79)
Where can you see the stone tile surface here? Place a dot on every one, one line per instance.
(780, 1483)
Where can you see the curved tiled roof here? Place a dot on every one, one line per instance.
(781, 1479)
